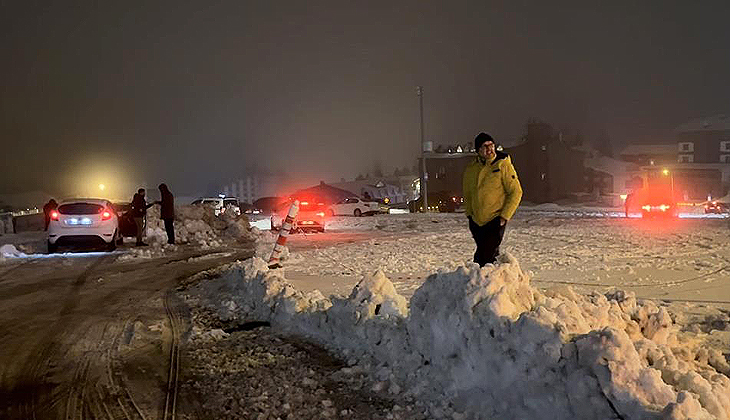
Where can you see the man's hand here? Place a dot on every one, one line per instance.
(502, 221)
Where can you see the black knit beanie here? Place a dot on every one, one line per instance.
(481, 139)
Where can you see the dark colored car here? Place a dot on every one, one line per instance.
(438, 201)
(716, 207)
(658, 207)
(127, 227)
(267, 205)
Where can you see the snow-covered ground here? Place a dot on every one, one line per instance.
(558, 329)
(553, 331)
(686, 259)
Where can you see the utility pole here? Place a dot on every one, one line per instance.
(424, 173)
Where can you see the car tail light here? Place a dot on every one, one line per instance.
(664, 207)
(304, 203)
(106, 215)
(54, 215)
(647, 208)
(320, 214)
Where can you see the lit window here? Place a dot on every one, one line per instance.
(687, 146)
(725, 146)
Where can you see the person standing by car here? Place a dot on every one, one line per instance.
(139, 211)
(167, 212)
(50, 206)
(628, 203)
(492, 193)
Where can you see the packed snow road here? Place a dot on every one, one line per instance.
(67, 323)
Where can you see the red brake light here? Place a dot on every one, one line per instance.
(106, 215)
(320, 214)
(304, 203)
(54, 215)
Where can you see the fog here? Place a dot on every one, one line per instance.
(195, 94)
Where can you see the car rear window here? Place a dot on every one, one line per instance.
(231, 202)
(307, 206)
(80, 208)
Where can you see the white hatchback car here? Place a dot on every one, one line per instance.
(353, 206)
(83, 221)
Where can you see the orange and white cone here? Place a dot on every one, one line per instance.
(286, 227)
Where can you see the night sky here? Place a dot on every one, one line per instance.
(195, 93)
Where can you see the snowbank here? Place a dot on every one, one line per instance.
(9, 251)
(483, 343)
(195, 225)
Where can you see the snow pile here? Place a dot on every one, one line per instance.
(198, 225)
(9, 251)
(483, 343)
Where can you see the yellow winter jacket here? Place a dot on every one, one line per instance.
(491, 189)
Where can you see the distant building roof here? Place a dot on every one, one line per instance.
(327, 193)
(649, 149)
(714, 123)
(610, 165)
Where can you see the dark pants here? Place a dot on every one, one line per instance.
(170, 229)
(139, 222)
(488, 238)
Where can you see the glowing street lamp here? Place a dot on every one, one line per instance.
(666, 172)
(102, 187)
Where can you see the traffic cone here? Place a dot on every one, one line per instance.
(286, 227)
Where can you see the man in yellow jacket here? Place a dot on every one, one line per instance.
(492, 193)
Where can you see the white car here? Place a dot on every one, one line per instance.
(83, 221)
(353, 206)
(220, 204)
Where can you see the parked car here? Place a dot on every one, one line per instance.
(658, 206)
(717, 207)
(83, 221)
(311, 216)
(220, 204)
(353, 206)
(127, 226)
(438, 202)
(267, 205)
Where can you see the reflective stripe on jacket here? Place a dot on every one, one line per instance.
(491, 189)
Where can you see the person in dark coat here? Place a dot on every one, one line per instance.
(167, 212)
(50, 206)
(139, 211)
(628, 203)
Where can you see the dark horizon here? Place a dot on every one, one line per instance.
(192, 94)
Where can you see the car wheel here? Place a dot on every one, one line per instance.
(331, 213)
(112, 245)
(357, 213)
(52, 248)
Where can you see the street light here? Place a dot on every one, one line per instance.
(666, 172)
(424, 177)
(102, 187)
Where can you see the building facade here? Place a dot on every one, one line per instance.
(702, 168)
(252, 187)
